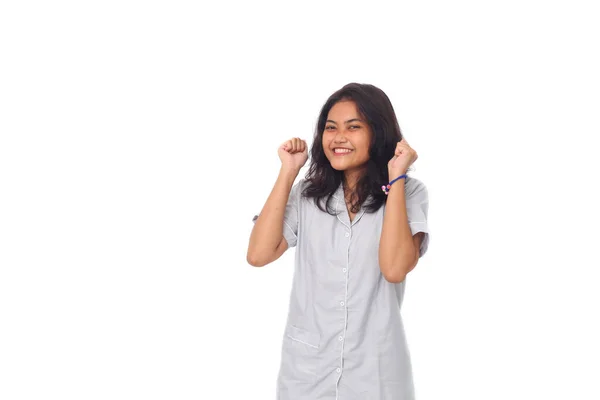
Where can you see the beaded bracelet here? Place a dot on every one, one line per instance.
(386, 188)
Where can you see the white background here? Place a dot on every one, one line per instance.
(138, 140)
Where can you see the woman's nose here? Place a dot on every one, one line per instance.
(339, 137)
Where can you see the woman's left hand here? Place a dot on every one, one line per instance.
(403, 158)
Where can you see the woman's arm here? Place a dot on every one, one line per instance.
(266, 240)
(398, 249)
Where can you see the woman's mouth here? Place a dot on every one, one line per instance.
(341, 152)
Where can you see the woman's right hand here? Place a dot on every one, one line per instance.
(293, 154)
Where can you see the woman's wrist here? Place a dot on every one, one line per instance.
(394, 174)
(386, 188)
(289, 172)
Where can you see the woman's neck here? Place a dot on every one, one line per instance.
(351, 179)
(350, 182)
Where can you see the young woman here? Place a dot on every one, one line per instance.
(356, 240)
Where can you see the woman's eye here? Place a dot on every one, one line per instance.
(329, 127)
(355, 126)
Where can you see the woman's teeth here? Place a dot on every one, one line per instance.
(341, 151)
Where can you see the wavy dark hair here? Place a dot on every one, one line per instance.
(323, 180)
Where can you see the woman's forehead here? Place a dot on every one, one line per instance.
(344, 111)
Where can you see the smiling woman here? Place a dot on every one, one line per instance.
(346, 140)
(355, 247)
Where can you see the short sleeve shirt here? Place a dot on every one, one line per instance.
(344, 338)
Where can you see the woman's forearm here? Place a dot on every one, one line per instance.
(396, 249)
(268, 228)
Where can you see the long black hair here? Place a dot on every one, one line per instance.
(376, 109)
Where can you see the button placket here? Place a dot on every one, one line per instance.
(344, 306)
(344, 302)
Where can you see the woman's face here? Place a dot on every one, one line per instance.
(346, 137)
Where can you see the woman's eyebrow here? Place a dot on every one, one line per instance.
(350, 120)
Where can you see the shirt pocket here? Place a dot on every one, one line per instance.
(300, 354)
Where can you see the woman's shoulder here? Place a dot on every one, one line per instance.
(299, 187)
(299, 190)
(415, 187)
(309, 201)
(414, 182)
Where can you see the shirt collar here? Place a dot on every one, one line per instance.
(339, 197)
(339, 192)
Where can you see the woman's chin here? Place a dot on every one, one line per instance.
(338, 167)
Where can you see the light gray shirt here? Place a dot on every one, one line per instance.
(344, 337)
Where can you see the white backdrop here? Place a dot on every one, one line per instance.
(138, 140)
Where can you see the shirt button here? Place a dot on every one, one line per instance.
(341, 303)
(344, 270)
(338, 370)
(341, 338)
(347, 234)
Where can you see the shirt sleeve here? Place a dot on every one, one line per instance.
(291, 215)
(417, 207)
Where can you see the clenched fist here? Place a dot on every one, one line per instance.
(293, 154)
(404, 156)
